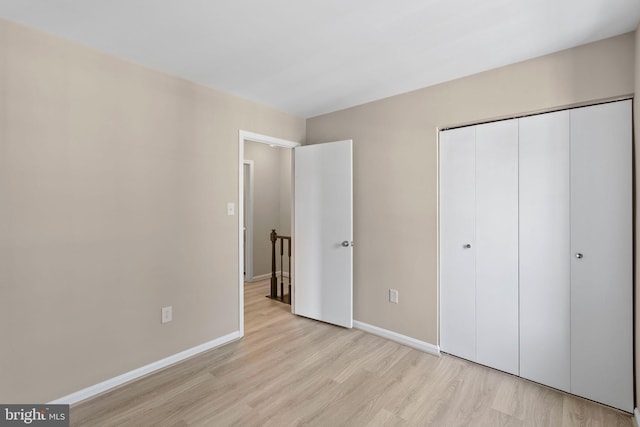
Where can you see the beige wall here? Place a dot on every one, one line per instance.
(271, 200)
(395, 167)
(114, 181)
(285, 228)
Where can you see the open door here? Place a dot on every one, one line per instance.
(323, 232)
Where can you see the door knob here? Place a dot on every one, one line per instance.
(346, 244)
(579, 255)
(467, 246)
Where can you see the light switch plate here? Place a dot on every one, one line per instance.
(231, 208)
(167, 314)
(393, 296)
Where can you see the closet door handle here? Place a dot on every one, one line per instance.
(467, 246)
(579, 255)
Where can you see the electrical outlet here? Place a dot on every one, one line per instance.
(393, 296)
(167, 314)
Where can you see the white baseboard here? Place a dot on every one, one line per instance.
(140, 372)
(636, 417)
(267, 276)
(399, 338)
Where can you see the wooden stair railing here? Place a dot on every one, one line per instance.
(274, 278)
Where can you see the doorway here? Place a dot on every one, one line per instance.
(247, 204)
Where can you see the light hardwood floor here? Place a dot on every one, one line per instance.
(290, 371)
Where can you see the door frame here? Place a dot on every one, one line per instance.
(277, 142)
(248, 212)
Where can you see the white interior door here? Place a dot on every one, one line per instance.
(602, 254)
(457, 242)
(497, 245)
(545, 276)
(323, 232)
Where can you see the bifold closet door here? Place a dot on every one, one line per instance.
(602, 254)
(545, 276)
(457, 242)
(479, 244)
(497, 245)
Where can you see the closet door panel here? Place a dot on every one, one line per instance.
(601, 233)
(545, 275)
(457, 229)
(497, 245)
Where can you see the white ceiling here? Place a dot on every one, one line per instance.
(309, 57)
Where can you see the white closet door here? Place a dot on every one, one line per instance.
(545, 277)
(601, 233)
(457, 230)
(497, 245)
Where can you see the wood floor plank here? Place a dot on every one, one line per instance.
(475, 390)
(387, 419)
(581, 412)
(431, 397)
(494, 418)
(293, 371)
